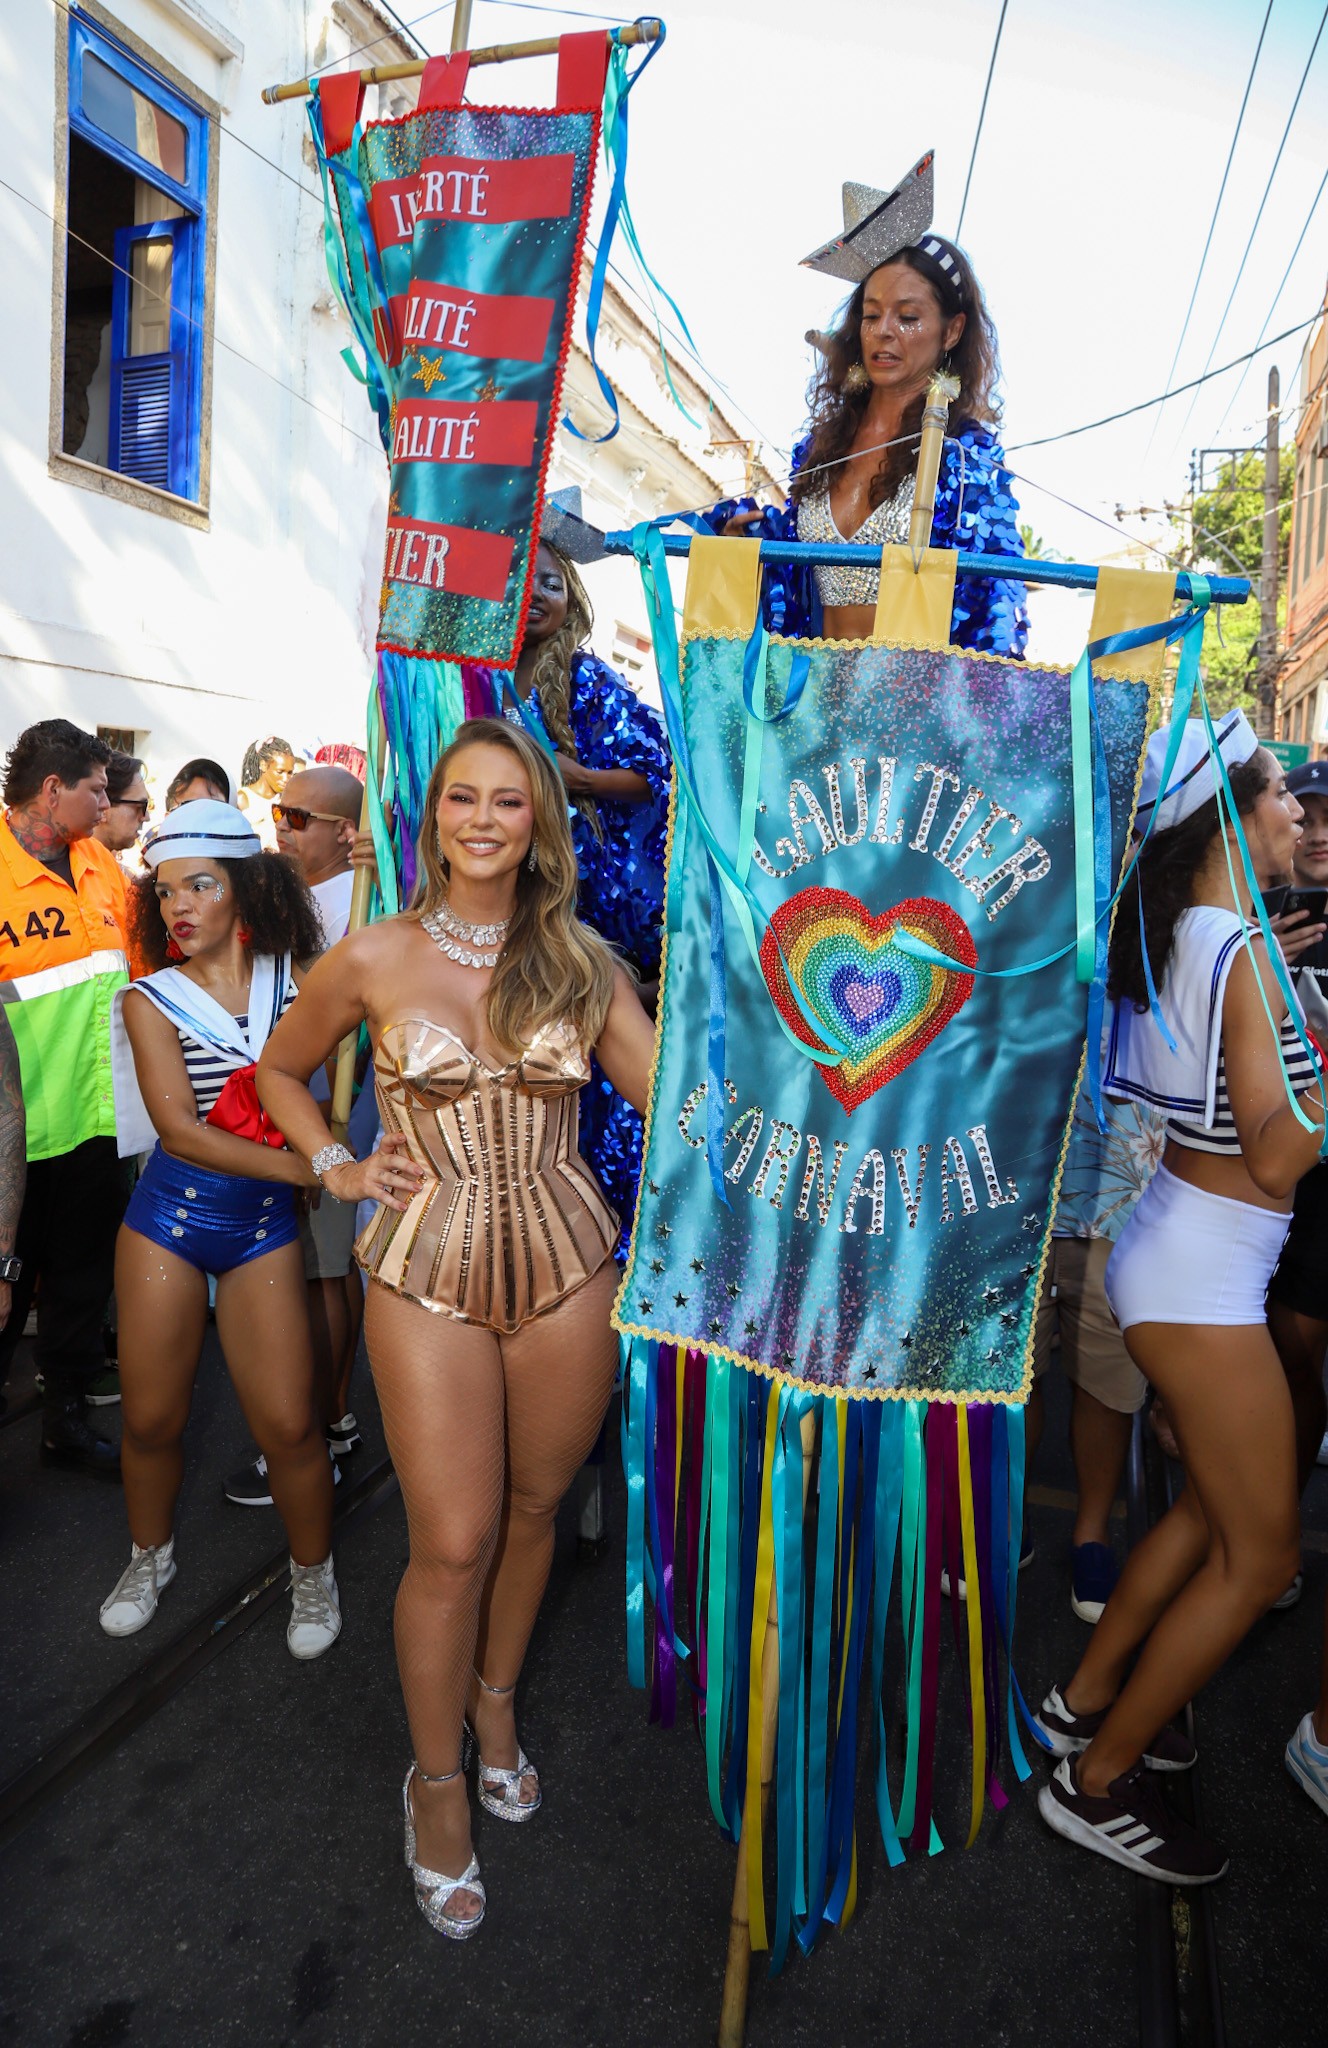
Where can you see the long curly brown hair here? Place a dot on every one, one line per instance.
(836, 412)
(551, 674)
(270, 895)
(1165, 872)
(552, 966)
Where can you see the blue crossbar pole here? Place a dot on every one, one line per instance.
(1069, 575)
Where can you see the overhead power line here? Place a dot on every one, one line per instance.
(982, 115)
(1109, 419)
(1235, 283)
(1267, 318)
(1221, 193)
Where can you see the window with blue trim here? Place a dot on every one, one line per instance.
(135, 273)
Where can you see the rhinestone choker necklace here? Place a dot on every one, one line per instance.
(472, 945)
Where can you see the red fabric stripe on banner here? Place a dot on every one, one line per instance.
(583, 63)
(453, 558)
(392, 210)
(444, 82)
(427, 430)
(472, 323)
(340, 96)
(480, 189)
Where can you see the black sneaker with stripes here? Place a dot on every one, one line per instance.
(1130, 1824)
(1068, 1732)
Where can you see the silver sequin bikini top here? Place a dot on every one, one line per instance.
(887, 524)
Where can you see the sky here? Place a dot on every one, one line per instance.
(1099, 163)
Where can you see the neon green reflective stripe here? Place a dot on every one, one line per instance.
(63, 1035)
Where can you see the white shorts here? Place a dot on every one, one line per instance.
(1186, 1256)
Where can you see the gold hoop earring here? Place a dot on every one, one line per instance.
(856, 378)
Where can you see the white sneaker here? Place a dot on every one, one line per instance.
(133, 1601)
(315, 1621)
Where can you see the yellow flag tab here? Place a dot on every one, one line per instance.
(1127, 599)
(723, 586)
(916, 605)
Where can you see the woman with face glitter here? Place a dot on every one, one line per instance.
(216, 1198)
(916, 309)
(489, 1255)
(612, 754)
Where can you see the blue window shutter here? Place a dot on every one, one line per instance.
(153, 433)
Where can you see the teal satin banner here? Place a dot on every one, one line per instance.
(462, 230)
(888, 1212)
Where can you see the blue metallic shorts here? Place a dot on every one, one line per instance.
(213, 1220)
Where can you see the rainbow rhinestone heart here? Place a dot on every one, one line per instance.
(887, 1006)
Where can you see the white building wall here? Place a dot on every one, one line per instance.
(200, 641)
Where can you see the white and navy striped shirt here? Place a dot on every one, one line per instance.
(1222, 1136)
(208, 1069)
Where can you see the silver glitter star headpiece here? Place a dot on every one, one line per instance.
(565, 524)
(877, 225)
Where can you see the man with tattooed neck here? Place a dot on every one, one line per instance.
(62, 958)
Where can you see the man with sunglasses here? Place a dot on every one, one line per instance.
(128, 804)
(316, 818)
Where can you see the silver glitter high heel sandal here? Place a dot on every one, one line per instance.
(433, 1891)
(499, 1789)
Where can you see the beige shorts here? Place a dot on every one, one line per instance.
(1092, 1349)
(326, 1236)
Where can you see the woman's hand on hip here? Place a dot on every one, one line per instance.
(389, 1175)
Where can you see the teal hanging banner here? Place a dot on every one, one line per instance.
(459, 255)
(887, 1210)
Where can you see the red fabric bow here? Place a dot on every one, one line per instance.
(238, 1110)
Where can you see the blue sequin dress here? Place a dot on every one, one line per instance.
(976, 510)
(621, 892)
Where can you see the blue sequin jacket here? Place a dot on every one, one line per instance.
(621, 892)
(975, 510)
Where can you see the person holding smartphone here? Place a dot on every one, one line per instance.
(1298, 1291)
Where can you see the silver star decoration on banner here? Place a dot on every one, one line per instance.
(680, 1300)
(786, 1360)
(1032, 1223)
(733, 1290)
(715, 1326)
(652, 1187)
(906, 1341)
(646, 1306)
(963, 1329)
(1029, 1270)
(662, 1229)
(993, 1357)
(990, 1294)
(698, 1265)
(1009, 1318)
(749, 1329)
(870, 1373)
(657, 1267)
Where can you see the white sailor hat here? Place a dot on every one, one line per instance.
(204, 829)
(1192, 781)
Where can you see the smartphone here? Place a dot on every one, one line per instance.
(1274, 900)
(1312, 901)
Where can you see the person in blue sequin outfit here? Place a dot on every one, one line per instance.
(852, 473)
(614, 758)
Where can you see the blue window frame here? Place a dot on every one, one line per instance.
(157, 300)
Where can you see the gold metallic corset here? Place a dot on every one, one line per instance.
(511, 1218)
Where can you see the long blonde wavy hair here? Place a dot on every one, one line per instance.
(551, 674)
(552, 966)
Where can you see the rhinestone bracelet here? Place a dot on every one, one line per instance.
(330, 1156)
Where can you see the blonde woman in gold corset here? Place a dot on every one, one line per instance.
(490, 1253)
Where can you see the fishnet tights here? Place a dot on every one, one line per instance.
(486, 1433)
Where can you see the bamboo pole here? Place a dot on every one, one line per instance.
(343, 1085)
(737, 1970)
(493, 53)
(941, 393)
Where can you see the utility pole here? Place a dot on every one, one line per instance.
(1265, 710)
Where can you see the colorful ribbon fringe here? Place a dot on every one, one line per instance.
(845, 1511)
